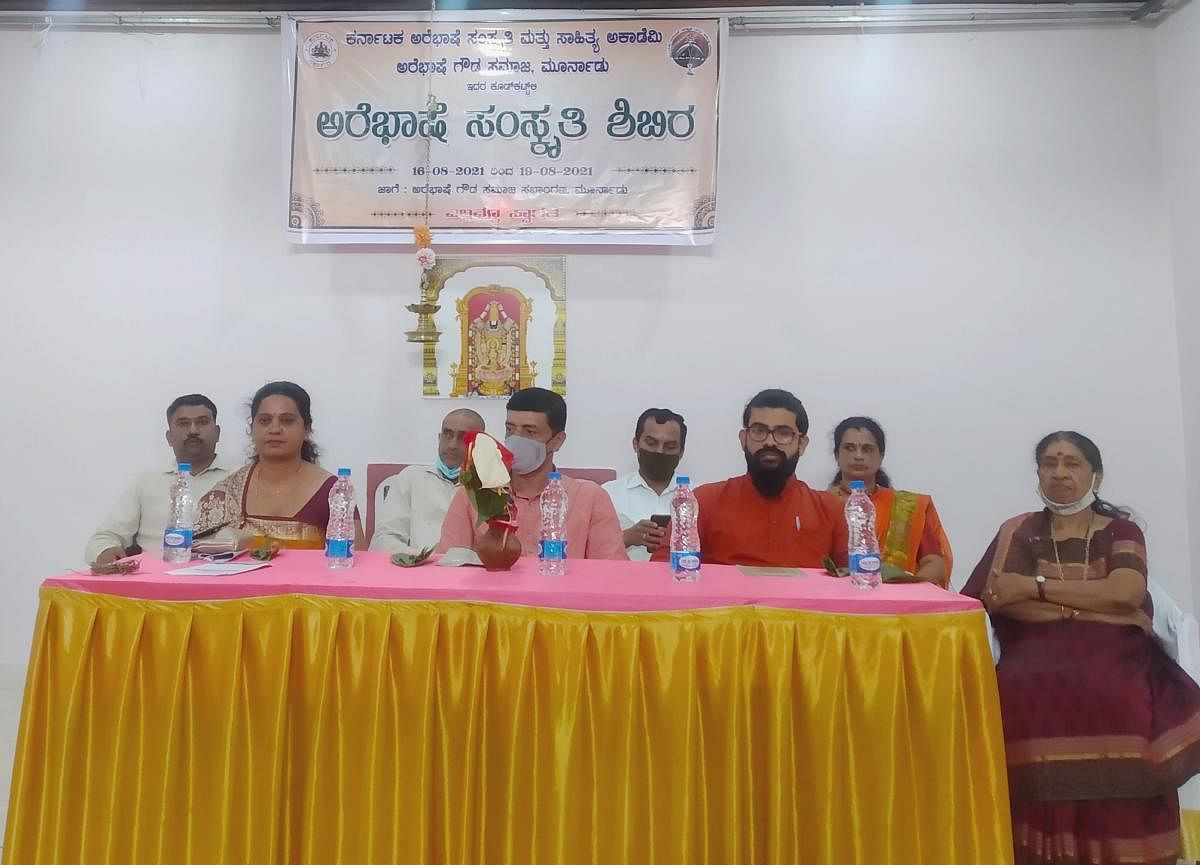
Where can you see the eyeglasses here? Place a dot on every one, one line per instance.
(783, 435)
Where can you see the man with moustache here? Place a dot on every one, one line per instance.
(139, 518)
(535, 427)
(658, 443)
(767, 517)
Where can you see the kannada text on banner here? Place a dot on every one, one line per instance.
(544, 130)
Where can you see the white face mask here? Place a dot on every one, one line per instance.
(1070, 508)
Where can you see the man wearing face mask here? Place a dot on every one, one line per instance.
(410, 518)
(535, 428)
(658, 442)
(768, 517)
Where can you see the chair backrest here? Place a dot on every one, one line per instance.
(1179, 635)
(377, 473)
(1175, 629)
(992, 641)
(600, 476)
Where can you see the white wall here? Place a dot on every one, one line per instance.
(1177, 49)
(963, 234)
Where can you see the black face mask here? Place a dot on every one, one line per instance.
(657, 466)
(770, 481)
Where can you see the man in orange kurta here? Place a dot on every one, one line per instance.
(767, 517)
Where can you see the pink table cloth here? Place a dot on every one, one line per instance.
(588, 585)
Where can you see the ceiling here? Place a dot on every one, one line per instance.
(756, 13)
(734, 6)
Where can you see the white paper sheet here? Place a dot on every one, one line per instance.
(218, 569)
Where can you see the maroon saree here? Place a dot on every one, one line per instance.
(1101, 727)
(225, 507)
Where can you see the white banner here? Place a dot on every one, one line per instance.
(568, 130)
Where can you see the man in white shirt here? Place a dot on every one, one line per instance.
(410, 518)
(658, 442)
(140, 515)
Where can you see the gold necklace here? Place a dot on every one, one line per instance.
(269, 490)
(1087, 548)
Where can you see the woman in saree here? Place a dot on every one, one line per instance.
(1101, 727)
(282, 494)
(910, 532)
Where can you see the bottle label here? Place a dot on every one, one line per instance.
(338, 549)
(552, 550)
(685, 562)
(864, 563)
(177, 539)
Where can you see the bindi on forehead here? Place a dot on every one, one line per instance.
(1064, 452)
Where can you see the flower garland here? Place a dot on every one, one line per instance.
(423, 239)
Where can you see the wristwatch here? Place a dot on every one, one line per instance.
(1041, 584)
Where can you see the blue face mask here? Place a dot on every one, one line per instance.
(450, 474)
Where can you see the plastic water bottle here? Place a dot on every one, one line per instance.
(177, 537)
(685, 532)
(864, 543)
(552, 550)
(339, 533)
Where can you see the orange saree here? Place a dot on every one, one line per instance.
(909, 528)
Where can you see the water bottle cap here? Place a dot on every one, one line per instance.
(556, 476)
(683, 480)
(858, 485)
(343, 473)
(185, 467)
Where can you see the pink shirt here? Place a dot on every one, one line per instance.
(593, 530)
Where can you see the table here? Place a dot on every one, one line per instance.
(435, 715)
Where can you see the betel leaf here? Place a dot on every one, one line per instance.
(410, 560)
(265, 550)
(832, 569)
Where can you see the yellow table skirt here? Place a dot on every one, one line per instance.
(329, 731)
(1189, 831)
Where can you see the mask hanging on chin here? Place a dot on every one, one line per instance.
(1070, 508)
(528, 454)
(450, 474)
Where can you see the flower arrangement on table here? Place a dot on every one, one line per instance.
(485, 476)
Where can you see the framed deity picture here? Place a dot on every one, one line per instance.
(501, 325)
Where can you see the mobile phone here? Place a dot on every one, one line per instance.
(660, 520)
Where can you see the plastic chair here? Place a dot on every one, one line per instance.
(1179, 635)
(377, 491)
(600, 476)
